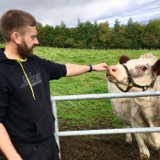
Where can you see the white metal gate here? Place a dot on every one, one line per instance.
(101, 131)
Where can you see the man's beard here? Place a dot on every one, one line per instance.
(24, 51)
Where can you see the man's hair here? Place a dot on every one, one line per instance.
(15, 21)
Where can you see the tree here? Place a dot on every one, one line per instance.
(151, 37)
(99, 36)
(116, 25)
(41, 35)
(59, 41)
(134, 32)
(90, 31)
(80, 36)
(103, 34)
(60, 35)
(45, 35)
(70, 43)
(118, 39)
(94, 43)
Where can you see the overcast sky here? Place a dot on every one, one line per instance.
(53, 12)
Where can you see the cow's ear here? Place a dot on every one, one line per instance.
(156, 67)
(123, 59)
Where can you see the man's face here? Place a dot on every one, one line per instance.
(28, 42)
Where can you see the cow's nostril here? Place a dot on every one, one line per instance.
(113, 70)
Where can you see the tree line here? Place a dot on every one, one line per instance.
(89, 35)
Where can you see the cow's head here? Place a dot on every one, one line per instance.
(136, 74)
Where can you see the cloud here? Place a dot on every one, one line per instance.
(139, 11)
(69, 11)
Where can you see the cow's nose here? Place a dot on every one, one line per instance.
(113, 69)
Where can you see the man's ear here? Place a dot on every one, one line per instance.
(16, 37)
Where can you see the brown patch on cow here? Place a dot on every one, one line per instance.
(156, 67)
(123, 59)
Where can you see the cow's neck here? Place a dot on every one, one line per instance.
(150, 106)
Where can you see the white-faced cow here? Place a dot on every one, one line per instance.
(133, 76)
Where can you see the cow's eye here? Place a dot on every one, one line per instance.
(143, 68)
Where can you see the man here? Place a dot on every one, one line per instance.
(26, 119)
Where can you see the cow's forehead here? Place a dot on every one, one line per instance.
(140, 62)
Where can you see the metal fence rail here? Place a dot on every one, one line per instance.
(101, 131)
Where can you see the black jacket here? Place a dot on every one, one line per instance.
(25, 105)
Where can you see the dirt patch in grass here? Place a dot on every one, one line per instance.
(106, 147)
(101, 147)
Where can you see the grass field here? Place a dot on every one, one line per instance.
(85, 113)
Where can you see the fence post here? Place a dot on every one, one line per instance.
(54, 108)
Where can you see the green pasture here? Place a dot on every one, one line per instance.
(89, 114)
(85, 113)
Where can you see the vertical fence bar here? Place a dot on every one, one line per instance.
(54, 108)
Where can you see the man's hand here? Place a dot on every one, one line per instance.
(100, 67)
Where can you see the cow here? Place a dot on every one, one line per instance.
(136, 75)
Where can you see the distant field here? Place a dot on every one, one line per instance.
(86, 113)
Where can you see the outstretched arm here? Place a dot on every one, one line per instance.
(6, 145)
(75, 70)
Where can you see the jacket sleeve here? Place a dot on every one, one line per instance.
(3, 101)
(54, 70)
